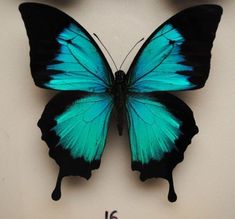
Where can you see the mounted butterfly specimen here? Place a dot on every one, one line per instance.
(75, 122)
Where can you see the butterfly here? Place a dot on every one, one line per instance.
(74, 124)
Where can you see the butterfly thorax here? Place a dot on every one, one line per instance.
(119, 91)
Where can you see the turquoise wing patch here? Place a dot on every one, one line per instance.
(82, 127)
(159, 64)
(153, 129)
(77, 65)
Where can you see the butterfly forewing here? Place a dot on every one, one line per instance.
(63, 54)
(177, 54)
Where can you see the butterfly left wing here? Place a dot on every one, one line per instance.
(161, 126)
(177, 54)
(63, 54)
(74, 125)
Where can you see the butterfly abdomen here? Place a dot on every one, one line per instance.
(119, 94)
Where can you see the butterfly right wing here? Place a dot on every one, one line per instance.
(74, 125)
(63, 54)
(175, 57)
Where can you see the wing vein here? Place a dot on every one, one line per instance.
(154, 68)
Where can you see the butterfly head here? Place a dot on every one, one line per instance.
(119, 76)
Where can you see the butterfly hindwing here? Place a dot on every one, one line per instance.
(161, 126)
(177, 54)
(63, 54)
(74, 125)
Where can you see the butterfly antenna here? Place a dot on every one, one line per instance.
(106, 50)
(130, 52)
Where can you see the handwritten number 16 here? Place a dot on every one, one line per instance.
(112, 215)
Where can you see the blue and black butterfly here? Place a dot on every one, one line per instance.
(75, 122)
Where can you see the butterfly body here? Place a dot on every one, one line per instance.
(74, 124)
(119, 92)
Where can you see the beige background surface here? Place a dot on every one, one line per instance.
(204, 182)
